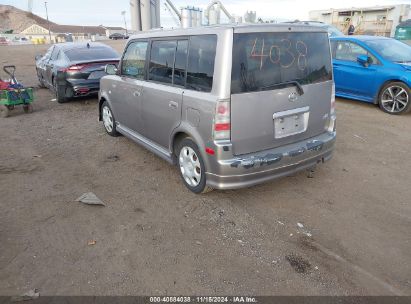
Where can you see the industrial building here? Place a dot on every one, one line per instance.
(63, 33)
(377, 20)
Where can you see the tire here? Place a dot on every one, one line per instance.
(109, 122)
(191, 166)
(59, 92)
(395, 98)
(41, 82)
(28, 108)
(4, 111)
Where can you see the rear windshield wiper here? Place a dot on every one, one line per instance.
(284, 84)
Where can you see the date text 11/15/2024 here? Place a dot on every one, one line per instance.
(203, 299)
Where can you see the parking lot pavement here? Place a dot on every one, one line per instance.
(344, 232)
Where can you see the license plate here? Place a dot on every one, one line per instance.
(291, 122)
(97, 75)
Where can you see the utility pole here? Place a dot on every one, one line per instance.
(125, 22)
(48, 22)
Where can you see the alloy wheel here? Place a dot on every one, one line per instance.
(394, 99)
(108, 119)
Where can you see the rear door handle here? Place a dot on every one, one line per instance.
(173, 104)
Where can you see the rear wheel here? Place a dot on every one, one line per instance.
(60, 93)
(191, 165)
(109, 122)
(395, 98)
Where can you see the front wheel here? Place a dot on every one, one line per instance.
(41, 82)
(395, 98)
(191, 165)
(109, 122)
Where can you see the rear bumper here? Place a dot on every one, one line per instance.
(72, 87)
(251, 169)
(82, 87)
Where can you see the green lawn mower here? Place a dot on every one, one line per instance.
(13, 93)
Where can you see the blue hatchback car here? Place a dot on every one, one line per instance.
(373, 69)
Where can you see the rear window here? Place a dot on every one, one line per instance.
(264, 60)
(92, 53)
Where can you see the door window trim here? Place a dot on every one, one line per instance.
(170, 38)
(120, 70)
(148, 57)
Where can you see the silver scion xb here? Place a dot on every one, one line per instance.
(232, 106)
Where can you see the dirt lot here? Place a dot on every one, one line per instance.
(155, 237)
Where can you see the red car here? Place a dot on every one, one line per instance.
(3, 41)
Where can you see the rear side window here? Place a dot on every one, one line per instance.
(55, 53)
(61, 55)
(162, 61)
(48, 53)
(134, 60)
(180, 63)
(262, 61)
(92, 53)
(201, 58)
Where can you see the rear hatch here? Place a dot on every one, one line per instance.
(89, 61)
(281, 87)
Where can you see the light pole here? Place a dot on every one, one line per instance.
(48, 22)
(125, 23)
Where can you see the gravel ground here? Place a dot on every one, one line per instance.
(344, 232)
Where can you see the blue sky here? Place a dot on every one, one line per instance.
(108, 12)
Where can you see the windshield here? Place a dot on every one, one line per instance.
(92, 53)
(391, 49)
(262, 60)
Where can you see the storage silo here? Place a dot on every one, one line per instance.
(199, 17)
(145, 8)
(214, 16)
(186, 17)
(194, 17)
(158, 22)
(238, 19)
(135, 15)
(250, 17)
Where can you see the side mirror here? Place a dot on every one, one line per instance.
(111, 69)
(364, 60)
(38, 57)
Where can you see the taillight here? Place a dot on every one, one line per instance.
(332, 112)
(222, 126)
(73, 68)
(330, 125)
